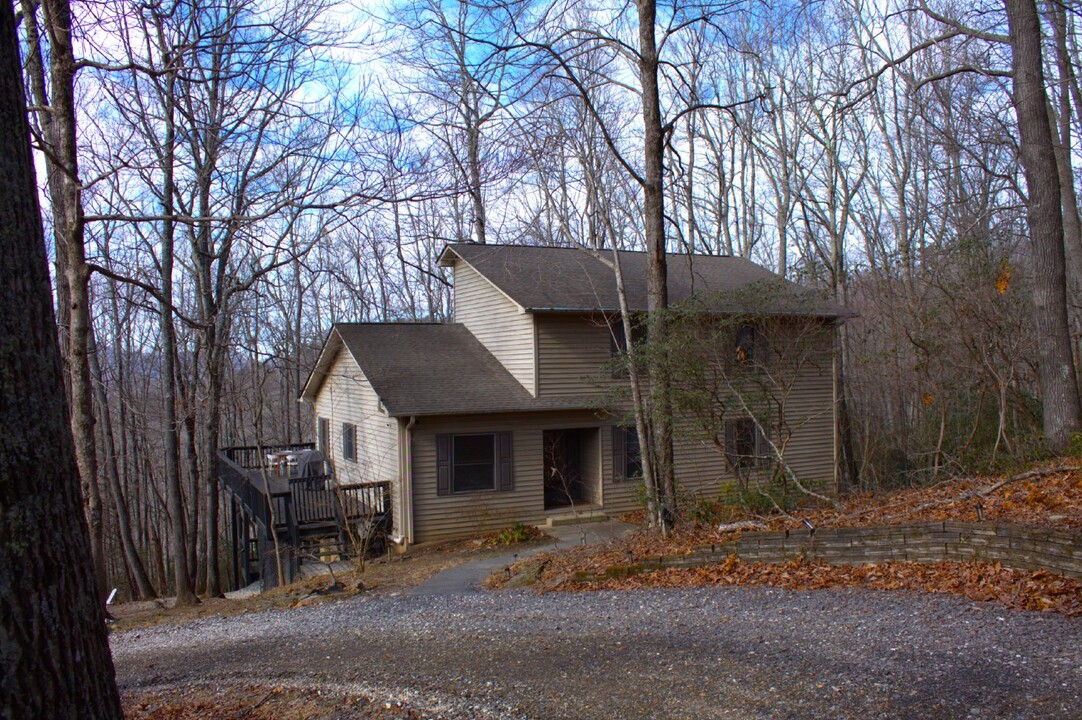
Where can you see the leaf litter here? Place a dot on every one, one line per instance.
(1047, 496)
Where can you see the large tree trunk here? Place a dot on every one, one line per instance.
(53, 647)
(1061, 131)
(212, 428)
(61, 159)
(1059, 386)
(657, 297)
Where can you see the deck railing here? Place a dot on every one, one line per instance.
(296, 508)
(251, 495)
(254, 457)
(294, 512)
(318, 500)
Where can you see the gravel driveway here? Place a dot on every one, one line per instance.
(703, 653)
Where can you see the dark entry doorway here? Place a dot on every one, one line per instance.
(563, 468)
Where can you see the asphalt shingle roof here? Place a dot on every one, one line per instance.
(442, 369)
(439, 369)
(570, 279)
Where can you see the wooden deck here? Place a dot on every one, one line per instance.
(280, 517)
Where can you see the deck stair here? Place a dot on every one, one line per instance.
(284, 513)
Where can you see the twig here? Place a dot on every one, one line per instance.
(253, 708)
(741, 525)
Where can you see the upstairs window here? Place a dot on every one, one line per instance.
(744, 342)
(618, 341)
(323, 436)
(349, 442)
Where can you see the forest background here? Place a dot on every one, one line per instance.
(238, 175)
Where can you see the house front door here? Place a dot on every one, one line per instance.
(563, 468)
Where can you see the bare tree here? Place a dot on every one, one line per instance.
(1059, 382)
(58, 139)
(53, 643)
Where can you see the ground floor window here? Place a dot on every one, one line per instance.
(745, 446)
(473, 462)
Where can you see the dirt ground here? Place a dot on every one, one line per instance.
(1048, 496)
(1022, 664)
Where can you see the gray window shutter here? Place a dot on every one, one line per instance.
(443, 464)
(619, 453)
(763, 453)
(504, 462)
(730, 442)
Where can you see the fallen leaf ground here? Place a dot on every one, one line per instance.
(1047, 496)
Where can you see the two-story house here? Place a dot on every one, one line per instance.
(499, 416)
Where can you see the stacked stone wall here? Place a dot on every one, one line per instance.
(1013, 546)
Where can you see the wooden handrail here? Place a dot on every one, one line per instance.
(310, 507)
(237, 480)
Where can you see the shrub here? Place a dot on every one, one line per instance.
(517, 533)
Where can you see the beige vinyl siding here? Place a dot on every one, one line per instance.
(460, 515)
(572, 354)
(346, 396)
(497, 322)
(810, 418)
(700, 467)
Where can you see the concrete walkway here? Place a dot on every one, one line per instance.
(467, 578)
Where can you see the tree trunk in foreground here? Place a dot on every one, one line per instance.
(1059, 386)
(657, 289)
(53, 650)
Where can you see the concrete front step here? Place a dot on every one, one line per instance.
(584, 516)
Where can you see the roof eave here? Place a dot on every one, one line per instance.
(445, 259)
(331, 345)
(496, 410)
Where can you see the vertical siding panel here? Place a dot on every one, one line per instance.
(497, 323)
(346, 396)
(572, 354)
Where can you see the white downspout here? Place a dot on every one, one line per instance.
(405, 456)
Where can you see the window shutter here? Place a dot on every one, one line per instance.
(763, 453)
(619, 453)
(504, 462)
(443, 464)
(730, 442)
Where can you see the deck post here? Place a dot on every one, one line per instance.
(236, 545)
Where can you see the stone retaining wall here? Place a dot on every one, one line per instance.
(1014, 546)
